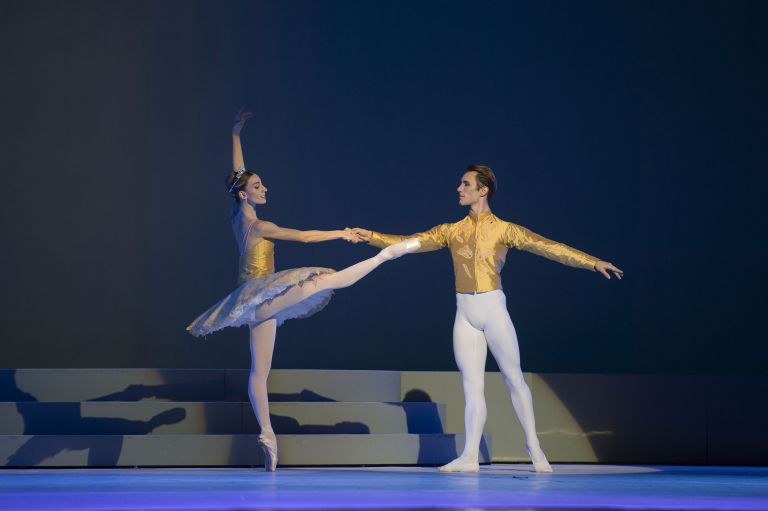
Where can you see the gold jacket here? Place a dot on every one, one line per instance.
(479, 245)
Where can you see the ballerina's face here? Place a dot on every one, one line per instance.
(255, 192)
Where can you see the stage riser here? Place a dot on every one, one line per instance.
(72, 385)
(146, 417)
(623, 418)
(230, 450)
(189, 417)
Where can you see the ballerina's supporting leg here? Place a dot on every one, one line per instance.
(262, 347)
(337, 280)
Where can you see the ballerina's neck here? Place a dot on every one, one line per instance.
(247, 212)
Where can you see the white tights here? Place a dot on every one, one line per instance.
(263, 333)
(482, 322)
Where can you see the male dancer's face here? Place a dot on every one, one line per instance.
(468, 192)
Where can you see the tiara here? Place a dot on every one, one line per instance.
(238, 174)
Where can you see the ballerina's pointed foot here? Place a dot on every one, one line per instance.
(399, 249)
(461, 464)
(268, 443)
(539, 460)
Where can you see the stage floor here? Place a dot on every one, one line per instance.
(507, 486)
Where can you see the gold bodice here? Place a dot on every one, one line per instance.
(479, 245)
(258, 260)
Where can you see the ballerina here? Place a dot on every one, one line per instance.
(265, 299)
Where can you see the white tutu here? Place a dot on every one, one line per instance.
(239, 307)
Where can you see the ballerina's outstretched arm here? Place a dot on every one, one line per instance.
(270, 230)
(264, 229)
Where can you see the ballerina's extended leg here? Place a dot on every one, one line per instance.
(337, 280)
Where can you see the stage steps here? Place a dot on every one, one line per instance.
(191, 417)
(195, 385)
(216, 418)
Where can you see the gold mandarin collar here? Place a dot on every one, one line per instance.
(478, 217)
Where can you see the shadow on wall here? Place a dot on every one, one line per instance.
(59, 427)
(290, 426)
(421, 423)
(306, 396)
(284, 425)
(62, 412)
(164, 392)
(431, 450)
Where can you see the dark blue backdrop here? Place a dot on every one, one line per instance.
(632, 130)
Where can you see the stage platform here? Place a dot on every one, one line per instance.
(497, 486)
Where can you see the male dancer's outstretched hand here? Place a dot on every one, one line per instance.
(604, 266)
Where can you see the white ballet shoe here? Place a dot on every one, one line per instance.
(268, 443)
(539, 460)
(399, 249)
(461, 464)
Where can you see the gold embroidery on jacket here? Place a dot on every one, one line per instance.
(465, 252)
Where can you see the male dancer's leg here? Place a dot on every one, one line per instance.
(502, 341)
(337, 280)
(470, 350)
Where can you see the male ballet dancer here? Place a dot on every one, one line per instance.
(478, 245)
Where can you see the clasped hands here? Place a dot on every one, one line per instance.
(357, 235)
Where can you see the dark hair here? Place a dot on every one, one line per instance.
(484, 177)
(237, 184)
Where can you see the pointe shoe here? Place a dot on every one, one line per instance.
(461, 464)
(399, 249)
(268, 444)
(539, 460)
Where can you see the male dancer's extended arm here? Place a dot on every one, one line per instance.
(521, 238)
(433, 239)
